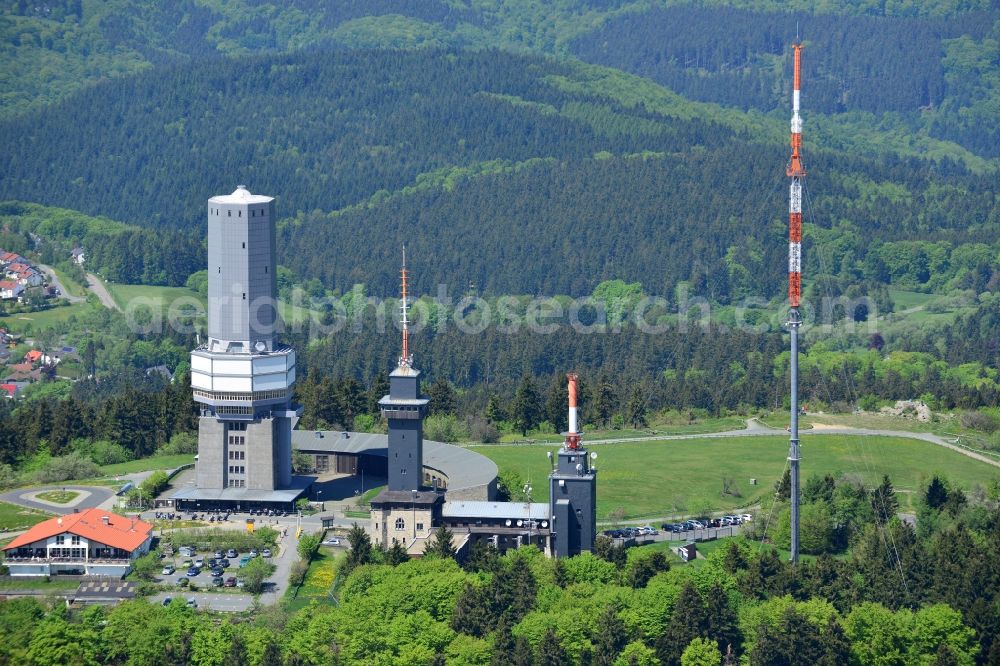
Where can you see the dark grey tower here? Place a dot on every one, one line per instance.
(573, 491)
(404, 410)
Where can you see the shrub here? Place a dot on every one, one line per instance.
(979, 421)
(63, 468)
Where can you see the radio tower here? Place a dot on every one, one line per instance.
(406, 359)
(796, 172)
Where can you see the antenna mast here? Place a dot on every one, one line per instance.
(796, 172)
(572, 437)
(405, 359)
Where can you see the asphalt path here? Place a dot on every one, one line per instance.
(57, 283)
(95, 285)
(90, 497)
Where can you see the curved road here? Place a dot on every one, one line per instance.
(57, 283)
(89, 497)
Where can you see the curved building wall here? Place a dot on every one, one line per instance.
(464, 474)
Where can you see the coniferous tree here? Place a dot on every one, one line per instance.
(884, 501)
(526, 409)
(551, 651)
(361, 548)
(556, 404)
(237, 655)
(442, 397)
(271, 655)
(441, 545)
(687, 622)
(610, 638)
(396, 554)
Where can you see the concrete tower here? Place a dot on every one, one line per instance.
(573, 491)
(242, 377)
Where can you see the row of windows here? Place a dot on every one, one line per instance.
(61, 539)
(256, 395)
(237, 440)
(240, 411)
(237, 469)
(237, 455)
(237, 427)
(239, 213)
(401, 525)
(237, 483)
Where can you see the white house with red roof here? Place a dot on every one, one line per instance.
(94, 542)
(10, 289)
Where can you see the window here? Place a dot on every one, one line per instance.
(420, 527)
(400, 524)
(76, 540)
(237, 455)
(244, 246)
(60, 539)
(229, 213)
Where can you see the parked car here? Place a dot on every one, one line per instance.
(219, 555)
(231, 581)
(217, 581)
(244, 559)
(192, 602)
(266, 552)
(747, 518)
(240, 582)
(218, 571)
(167, 600)
(332, 542)
(253, 552)
(193, 571)
(232, 554)
(224, 563)
(168, 570)
(200, 563)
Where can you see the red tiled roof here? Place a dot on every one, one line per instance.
(21, 367)
(10, 388)
(7, 284)
(33, 355)
(120, 532)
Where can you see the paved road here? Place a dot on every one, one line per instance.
(57, 283)
(97, 286)
(90, 496)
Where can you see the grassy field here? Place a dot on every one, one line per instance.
(697, 427)
(72, 286)
(58, 496)
(19, 322)
(319, 579)
(145, 464)
(145, 295)
(685, 477)
(904, 300)
(39, 585)
(13, 517)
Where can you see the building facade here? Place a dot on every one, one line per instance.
(94, 542)
(242, 377)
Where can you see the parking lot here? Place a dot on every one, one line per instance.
(691, 530)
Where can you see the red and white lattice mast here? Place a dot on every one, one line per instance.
(405, 359)
(796, 172)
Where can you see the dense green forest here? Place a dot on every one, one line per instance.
(532, 157)
(901, 596)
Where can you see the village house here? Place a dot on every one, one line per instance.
(93, 542)
(10, 289)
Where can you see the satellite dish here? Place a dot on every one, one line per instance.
(593, 455)
(260, 346)
(579, 467)
(520, 522)
(545, 523)
(508, 522)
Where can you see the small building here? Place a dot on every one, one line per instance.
(77, 256)
(687, 552)
(33, 356)
(10, 289)
(94, 542)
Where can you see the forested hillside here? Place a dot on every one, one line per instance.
(534, 159)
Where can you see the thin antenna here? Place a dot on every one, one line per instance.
(796, 31)
(405, 359)
(796, 172)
